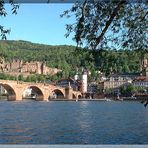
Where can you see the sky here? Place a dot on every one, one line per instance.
(38, 23)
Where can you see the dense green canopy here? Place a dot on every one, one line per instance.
(68, 58)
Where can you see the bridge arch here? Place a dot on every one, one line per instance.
(57, 94)
(11, 94)
(79, 96)
(36, 93)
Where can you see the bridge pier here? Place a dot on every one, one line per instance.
(14, 97)
(19, 97)
(46, 94)
(19, 92)
(11, 97)
(68, 93)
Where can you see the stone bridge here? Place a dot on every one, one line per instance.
(15, 90)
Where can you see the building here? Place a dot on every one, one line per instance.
(15, 65)
(25, 68)
(144, 67)
(141, 82)
(33, 67)
(92, 88)
(76, 85)
(84, 82)
(117, 80)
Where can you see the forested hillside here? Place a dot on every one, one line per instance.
(68, 58)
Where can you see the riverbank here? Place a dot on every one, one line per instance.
(84, 99)
(77, 100)
(3, 97)
(107, 99)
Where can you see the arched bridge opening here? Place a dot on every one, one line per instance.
(57, 94)
(10, 92)
(79, 96)
(34, 93)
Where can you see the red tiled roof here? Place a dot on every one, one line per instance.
(141, 78)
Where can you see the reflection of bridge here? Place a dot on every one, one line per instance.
(44, 91)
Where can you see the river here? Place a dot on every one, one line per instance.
(82, 122)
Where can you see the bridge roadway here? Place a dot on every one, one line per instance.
(44, 92)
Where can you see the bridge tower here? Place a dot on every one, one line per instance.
(84, 82)
(68, 92)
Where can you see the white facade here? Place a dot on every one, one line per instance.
(76, 77)
(84, 82)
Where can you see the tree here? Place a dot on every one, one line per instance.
(3, 13)
(127, 90)
(20, 77)
(111, 23)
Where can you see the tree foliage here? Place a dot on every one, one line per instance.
(112, 23)
(68, 59)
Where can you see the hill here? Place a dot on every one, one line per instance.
(68, 58)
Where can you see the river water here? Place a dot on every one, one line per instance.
(82, 122)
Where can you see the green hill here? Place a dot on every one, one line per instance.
(68, 58)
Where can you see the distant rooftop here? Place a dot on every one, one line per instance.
(141, 78)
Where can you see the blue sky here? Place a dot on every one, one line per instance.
(39, 23)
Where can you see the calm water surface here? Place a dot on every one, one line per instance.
(61, 122)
